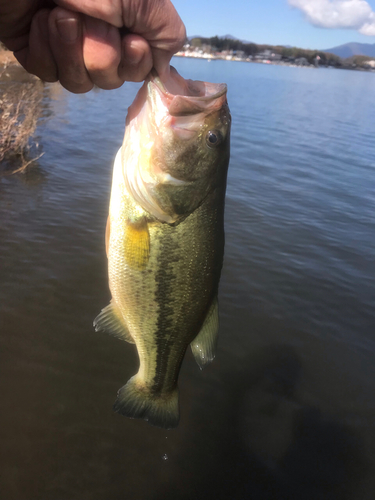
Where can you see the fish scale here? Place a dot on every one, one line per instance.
(165, 247)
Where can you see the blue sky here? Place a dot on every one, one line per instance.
(314, 24)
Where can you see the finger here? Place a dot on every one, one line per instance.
(168, 39)
(162, 59)
(40, 59)
(109, 11)
(65, 37)
(102, 53)
(136, 61)
(16, 44)
(157, 21)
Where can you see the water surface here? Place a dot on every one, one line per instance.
(287, 409)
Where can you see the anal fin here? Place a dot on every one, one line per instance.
(204, 344)
(110, 320)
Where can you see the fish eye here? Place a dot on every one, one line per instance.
(213, 138)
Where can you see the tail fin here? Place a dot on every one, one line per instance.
(160, 410)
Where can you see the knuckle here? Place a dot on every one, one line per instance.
(181, 36)
(76, 87)
(109, 85)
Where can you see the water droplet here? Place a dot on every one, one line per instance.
(165, 456)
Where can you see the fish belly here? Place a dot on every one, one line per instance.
(162, 303)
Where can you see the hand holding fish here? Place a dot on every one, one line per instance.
(83, 43)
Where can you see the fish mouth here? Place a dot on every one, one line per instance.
(187, 97)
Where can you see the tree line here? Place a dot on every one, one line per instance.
(251, 49)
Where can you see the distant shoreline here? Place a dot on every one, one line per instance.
(274, 63)
(7, 58)
(210, 57)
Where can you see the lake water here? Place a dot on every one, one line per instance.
(287, 409)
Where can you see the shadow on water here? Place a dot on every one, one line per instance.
(265, 444)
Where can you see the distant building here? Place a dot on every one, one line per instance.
(267, 55)
(239, 55)
(369, 64)
(301, 61)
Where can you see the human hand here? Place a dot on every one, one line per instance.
(83, 43)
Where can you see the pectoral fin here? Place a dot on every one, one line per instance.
(204, 344)
(137, 244)
(111, 321)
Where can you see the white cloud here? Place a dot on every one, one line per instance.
(369, 27)
(349, 14)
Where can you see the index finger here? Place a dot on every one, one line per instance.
(157, 21)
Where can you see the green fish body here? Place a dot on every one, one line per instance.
(165, 238)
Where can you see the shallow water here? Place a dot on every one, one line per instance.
(287, 409)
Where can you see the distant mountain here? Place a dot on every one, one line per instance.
(194, 36)
(353, 49)
(230, 37)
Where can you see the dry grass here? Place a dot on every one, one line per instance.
(20, 108)
(6, 56)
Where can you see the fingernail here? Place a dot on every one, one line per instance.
(67, 29)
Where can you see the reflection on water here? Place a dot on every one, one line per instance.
(286, 411)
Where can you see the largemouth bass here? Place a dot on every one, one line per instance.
(165, 237)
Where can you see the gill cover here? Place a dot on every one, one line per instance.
(175, 141)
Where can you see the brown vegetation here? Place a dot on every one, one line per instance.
(20, 108)
(6, 57)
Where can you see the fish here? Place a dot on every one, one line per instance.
(165, 237)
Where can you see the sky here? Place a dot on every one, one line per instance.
(308, 24)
